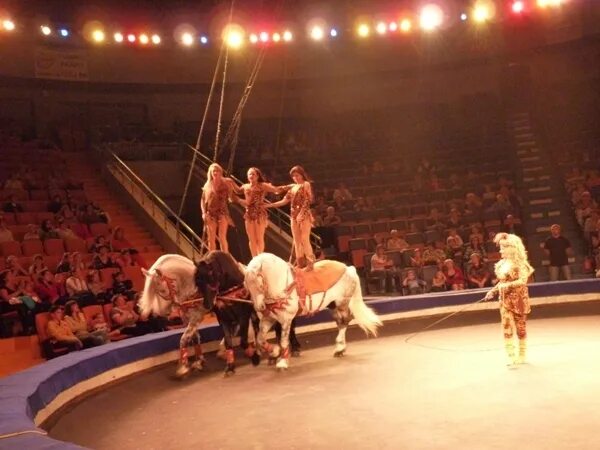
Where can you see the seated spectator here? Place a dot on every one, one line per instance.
(50, 291)
(100, 241)
(475, 246)
(81, 328)
(103, 260)
(381, 264)
(396, 241)
(476, 231)
(38, 266)
(65, 265)
(438, 283)
(431, 255)
(453, 248)
(77, 263)
(478, 275)
(122, 285)
(60, 332)
(455, 281)
(125, 259)
(417, 259)
(47, 230)
(341, 193)
(5, 234)
(361, 205)
(435, 221)
(317, 218)
(591, 226)
(502, 206)
(55, 205)
(88, 215)
(67, 214)
(10, 301)
(14, 266)
(331, 218)
(320, 207)
(97, 287)
(126, 319)
(12, 205)
(64, 230)
(454, 234)
(584, 208)
(33, 232)
(454, 219)
(78, 289)
(413, 284)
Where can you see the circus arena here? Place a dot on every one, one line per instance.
(306, 225)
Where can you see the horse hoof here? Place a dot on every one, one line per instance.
(182, 371)
(255, 359)
(229, 370)
(339, 353)
(198, 365)
(282, 369)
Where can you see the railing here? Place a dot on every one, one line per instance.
(185, 238)
(279, 221)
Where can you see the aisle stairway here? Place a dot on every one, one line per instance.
(95, 189)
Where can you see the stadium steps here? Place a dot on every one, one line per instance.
(96, 190)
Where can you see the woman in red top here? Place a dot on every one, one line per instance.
(300, 197)
(49, 290)
(455, 279)
(216, 193)
(256, 213)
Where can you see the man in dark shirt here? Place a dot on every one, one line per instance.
(12, 205)
(558, 247)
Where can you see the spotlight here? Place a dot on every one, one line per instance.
(363, 30)
(333, 32)
(203, 40)
(187, 39)
(549, 3)
(118, 37)
(144, 39)
(317, 33)
(276, 37)
(253, 38)
(381, 28)
(155, 39)
(234, 36)
(463, 17)
(131, 38)
(518, 7)
(98, 35)
(405, 25)
(393, 26)
(8, 25)
(431, 17)
(264, 36)
(64, 32)
(481, 13)
(287, 36)
(46, 30)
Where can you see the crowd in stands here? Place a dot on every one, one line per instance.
(65, 272)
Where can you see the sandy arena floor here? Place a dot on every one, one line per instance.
(446, 389)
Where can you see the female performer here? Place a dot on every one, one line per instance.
(300, 196)
(512, 272)
(217, 191)
(256, 213)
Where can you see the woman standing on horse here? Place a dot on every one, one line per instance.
(255, 216)
(216, 193)
(300, 196)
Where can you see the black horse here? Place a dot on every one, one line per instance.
(220, 280)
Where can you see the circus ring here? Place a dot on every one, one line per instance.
(446, 388)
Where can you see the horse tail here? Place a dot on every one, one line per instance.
(365, 316)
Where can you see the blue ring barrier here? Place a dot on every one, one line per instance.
(24, 394)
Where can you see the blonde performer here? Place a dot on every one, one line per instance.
(300, 196)
(255, 216)
(216, 193)
(512, 272)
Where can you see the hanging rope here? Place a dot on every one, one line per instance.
(224, 80)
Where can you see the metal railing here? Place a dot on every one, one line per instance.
(179, 232)
(279, 221)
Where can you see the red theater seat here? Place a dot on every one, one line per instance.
(10, 248)
(54, 247)
(32, 247)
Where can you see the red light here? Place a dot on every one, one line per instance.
(518, 7)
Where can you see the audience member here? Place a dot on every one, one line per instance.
(47, 230)
(49, 290)
(37, 266)
(81, 328)
(12, 205)
(60, 332)
(383, 266)
(558, 248)
(438, 283)
(455, 280)
(396, 241)
(103, 260)
(331, 218)
(475, 246)
(98, 287)
(121, 285)
(412, 284)
(478, 275)
(78, 289)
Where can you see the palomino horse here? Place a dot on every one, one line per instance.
(170, 282)
(279, 292)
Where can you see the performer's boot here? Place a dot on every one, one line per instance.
(522, 351)
(183, 368)
(510, 351)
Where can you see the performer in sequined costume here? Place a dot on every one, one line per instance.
(255, 216)
(300, 196)
(216, 194)
(512, 272)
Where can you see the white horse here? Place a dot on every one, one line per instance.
(278, 294)
(170, 282)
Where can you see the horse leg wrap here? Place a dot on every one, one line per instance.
(250, 350)
(285, 354)
(183, 356)
(229, 356)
